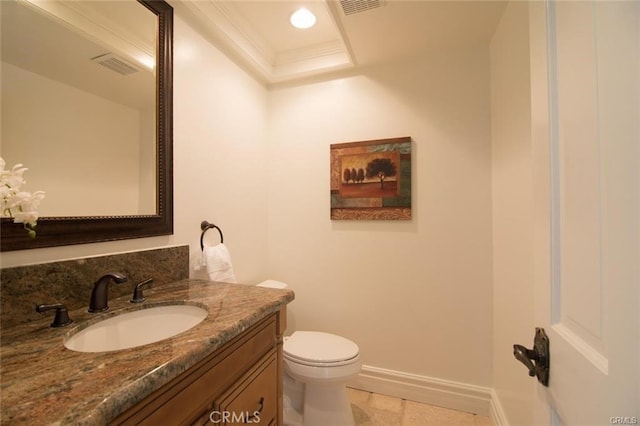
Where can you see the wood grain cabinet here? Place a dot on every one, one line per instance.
(252, 401)
(240, 383)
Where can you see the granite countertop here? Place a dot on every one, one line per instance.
(42, 382)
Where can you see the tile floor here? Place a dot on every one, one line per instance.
(372, 409)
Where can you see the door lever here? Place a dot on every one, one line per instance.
(537, 359)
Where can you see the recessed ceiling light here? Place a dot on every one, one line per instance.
(303, 19)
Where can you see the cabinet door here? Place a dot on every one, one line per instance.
(254, 400)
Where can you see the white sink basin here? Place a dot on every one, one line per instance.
(136, 328)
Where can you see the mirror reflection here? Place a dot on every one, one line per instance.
(78, 106)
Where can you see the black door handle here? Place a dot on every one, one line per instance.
(537, 359)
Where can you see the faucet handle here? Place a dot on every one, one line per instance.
(62, 315)
(138, 296)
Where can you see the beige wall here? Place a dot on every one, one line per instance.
(220, 153)
(415, 295)
(512, 212)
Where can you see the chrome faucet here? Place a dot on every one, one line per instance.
(99, 294)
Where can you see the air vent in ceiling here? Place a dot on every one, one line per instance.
(349, 7)
(116, 64)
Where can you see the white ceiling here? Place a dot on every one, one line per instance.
(254, 33)
(257, 33)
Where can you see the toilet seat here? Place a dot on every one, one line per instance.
(320, 349)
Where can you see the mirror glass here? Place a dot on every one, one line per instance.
(86, 106)
(78, 104)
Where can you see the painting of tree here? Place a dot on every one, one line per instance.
(347, 175)
(381, 168)
(369, 174)
(371, 180)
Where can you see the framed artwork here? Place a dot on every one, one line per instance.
(371, 180)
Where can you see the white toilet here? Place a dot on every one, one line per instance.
(317, 367)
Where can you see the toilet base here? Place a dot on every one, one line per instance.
(327, 404)
(292, 401)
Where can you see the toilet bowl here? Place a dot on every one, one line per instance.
(317, 367)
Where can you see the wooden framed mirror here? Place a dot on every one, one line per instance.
(70, 227)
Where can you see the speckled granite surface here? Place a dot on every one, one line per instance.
(42, 382)
(70, 282)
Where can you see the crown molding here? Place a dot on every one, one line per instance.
(224, 26)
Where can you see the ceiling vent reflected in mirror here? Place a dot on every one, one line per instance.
(349, 7)
(114, 63)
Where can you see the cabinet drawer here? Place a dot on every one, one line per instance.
(254, 400)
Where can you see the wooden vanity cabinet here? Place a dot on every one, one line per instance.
(240, 383)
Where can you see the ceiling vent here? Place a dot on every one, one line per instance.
(116, 64)
(349, 7)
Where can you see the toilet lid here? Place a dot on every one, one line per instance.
(315, 346)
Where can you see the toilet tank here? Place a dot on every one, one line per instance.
(272, 284)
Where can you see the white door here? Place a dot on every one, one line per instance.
(586, 136)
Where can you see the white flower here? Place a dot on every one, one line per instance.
(20, 205)
(13, 178)
(29, 217)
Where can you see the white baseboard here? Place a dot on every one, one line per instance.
(497, 414)
(429, 390)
